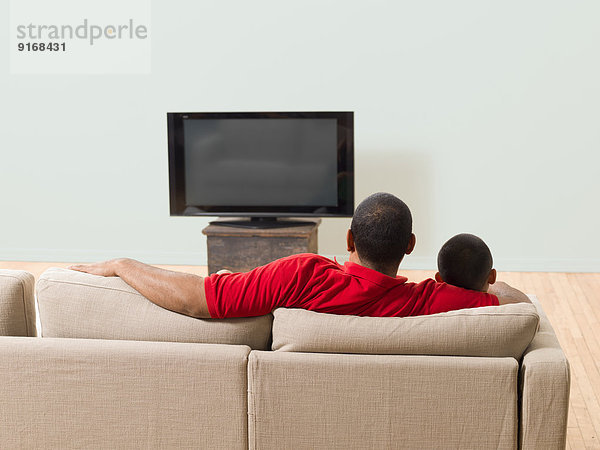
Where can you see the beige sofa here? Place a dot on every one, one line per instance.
(112, 370)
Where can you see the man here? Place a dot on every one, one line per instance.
(379, 237)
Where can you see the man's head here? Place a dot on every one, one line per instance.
(466, 261)
(381, 232)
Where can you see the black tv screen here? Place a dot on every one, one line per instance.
(261, 164)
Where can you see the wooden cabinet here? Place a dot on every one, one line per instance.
(242, 249)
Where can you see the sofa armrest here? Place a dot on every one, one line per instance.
(17, 304)
(544, 388)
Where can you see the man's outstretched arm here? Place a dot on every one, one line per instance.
(507, 294)
(179, 292)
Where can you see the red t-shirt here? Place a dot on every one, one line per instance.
(316, 283)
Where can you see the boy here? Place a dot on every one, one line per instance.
(466, 261)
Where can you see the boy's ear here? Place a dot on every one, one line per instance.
(438, 277)
(411, 244)
(492, 277)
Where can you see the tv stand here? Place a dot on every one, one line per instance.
(243, 248)
(261, 223)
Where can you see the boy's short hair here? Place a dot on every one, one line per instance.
(381, 226)
(465, 261)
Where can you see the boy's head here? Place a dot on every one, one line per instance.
(466, 261)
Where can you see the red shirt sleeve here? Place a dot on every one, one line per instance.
(445, 297)
(253, 293)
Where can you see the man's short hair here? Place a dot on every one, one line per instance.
(465, 261)
(381, 226)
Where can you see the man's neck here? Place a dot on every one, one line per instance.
(390, 271)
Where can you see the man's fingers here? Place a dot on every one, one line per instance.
(103, 269)
(87, 268)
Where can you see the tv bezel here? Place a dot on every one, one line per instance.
(345, 170)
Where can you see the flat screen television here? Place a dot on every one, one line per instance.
(261, 165)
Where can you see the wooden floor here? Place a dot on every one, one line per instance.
(572, 303)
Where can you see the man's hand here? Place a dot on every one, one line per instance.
(507, 294)
(104, 269)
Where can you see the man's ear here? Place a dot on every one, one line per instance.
(411, 244)
(492, 277)
(438, 277)
(350, 241)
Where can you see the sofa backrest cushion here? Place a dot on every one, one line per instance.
(79, 305)
(17, 304)
(494, 331)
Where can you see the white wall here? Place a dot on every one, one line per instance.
(483, 116)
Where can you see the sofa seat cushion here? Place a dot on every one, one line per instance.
(105, 394)
(495, 331)
(79, 305)
(345, 402)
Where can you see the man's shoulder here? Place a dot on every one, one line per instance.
(306, 257)
(450, 297)
(434, 289)
(456, 290)
(304, 262)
